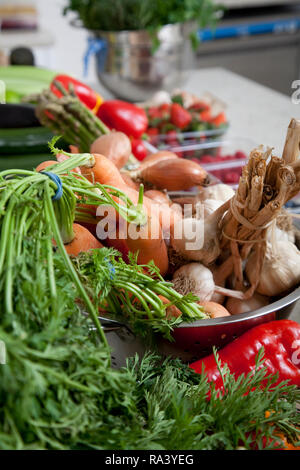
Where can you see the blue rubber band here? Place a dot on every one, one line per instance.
(57, 181)
(112, 270)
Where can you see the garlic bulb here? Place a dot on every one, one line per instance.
(235, 306)
(198, 279)
(195, 278)
(280, 271)
(197, 239)
(275, 234)
(210, 205)
(219, 192)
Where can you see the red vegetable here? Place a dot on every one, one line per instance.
(86, 94)
(205, 115)
(138, 149)
(180, 117)
(219, 119)
(199, 106)
(124, 117)
(281, 342)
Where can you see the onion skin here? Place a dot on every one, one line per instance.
(115, 146)
(236, 306)
(158, 156)
(174, 174)
(214, 310)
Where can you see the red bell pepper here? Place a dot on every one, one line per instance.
(281, 342)
(124, 117)
(86, 94)
(180, 117)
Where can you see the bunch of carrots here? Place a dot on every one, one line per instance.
(111, 151)
(151, 216)
(144, 186)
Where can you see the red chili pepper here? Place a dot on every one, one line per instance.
(138, 149)
(124, 117)
(281, 342)
(86, 94)
(180, 117)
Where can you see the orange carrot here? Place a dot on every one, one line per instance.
(130, 182)
(172, 310)
(83, 241)
(150, 248)
(105, 172)
(45, 164)
(132, 238)
(157, 196)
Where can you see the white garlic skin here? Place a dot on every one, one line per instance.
(195, 278)
(280, 271)
(210, 205)
(277, 234)
(219, 192)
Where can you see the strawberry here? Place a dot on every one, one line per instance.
(180, 117)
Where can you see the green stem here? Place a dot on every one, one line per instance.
(69, 265)
(9, 267)
(50, 265)
(6, 232)
(138, 293)
(63, 378)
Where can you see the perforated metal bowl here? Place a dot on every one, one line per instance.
(195, 340)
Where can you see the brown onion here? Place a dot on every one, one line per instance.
(115, 146)
(174, 174)
(158, 156)
(236, 306)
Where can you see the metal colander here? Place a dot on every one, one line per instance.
(195, 340)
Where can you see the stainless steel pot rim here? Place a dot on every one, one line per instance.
(258, 313)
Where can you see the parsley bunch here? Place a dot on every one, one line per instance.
(151, 15)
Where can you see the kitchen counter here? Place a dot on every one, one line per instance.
(254, 111)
